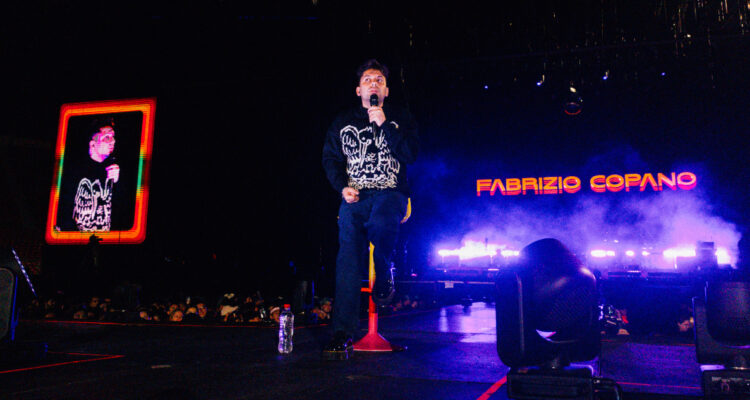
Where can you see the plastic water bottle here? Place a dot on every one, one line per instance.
(286, 330)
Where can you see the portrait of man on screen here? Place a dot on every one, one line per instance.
(92, 205)
(97, 186)
(100, 185)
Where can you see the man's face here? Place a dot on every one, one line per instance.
(176, 316)
(103, 142)
(372, 82)
(202, 310)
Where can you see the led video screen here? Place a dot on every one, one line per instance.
(100, 185)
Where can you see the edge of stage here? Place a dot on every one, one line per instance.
(451, 355)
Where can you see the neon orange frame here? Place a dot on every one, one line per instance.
(137, 233)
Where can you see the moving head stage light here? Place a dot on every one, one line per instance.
(547, 317)
(722, 339)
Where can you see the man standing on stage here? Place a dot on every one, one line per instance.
(364, 156)
(92, 206)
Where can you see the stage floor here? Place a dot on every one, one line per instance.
(451, 354)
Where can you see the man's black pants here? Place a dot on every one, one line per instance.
(375, 219)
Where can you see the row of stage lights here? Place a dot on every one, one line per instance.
(722, 254)
(475, 249)
(605, 77)
(468, 253)
(573, 103)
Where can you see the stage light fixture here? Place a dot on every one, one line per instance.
(706, 255)
(541, 81)
(674, 252)
(722, 339)
(547, 317)
(598, 253)
(510, 253)
(722, 256)
(573, 101)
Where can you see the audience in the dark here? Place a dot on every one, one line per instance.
(252, 309)
(255, 310)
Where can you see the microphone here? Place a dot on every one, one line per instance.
(374, 103)
(110, 160)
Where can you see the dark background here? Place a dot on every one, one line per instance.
(246, 90)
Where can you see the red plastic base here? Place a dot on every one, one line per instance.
(374, 342)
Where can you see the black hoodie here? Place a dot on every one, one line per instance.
(354, 157)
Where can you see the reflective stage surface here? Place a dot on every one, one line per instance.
(451, 354)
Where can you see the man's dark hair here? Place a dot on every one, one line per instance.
(372, 64)
(100, 122)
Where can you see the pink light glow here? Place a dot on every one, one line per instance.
(475, 249)
(679, 252)
(598, 253)
(722, 256)
(510, 253)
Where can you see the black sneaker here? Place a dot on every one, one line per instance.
(383, 290)
(341, 347)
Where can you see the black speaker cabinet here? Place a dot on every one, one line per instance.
(8, 285)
